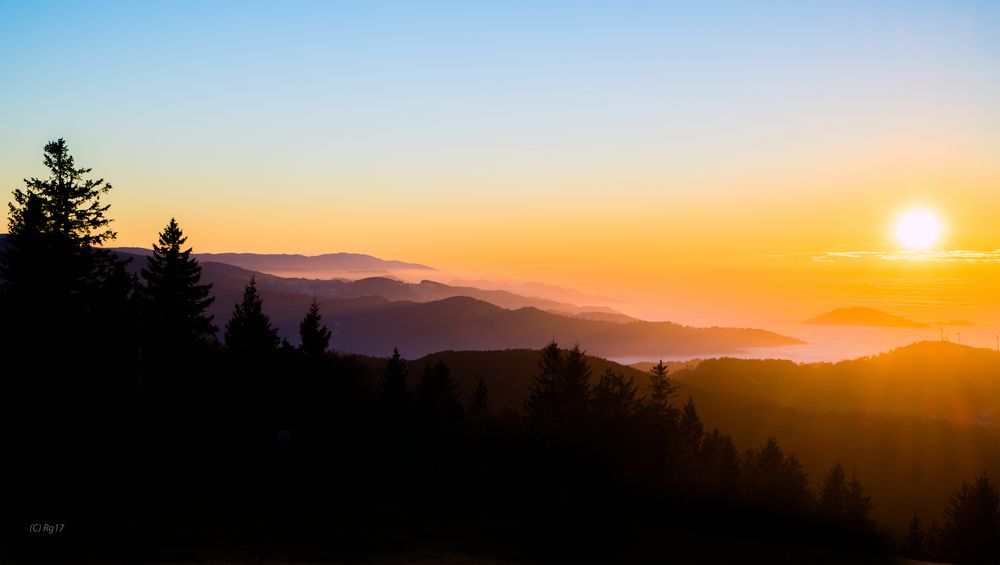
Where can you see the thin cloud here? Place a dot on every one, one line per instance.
(943, 256)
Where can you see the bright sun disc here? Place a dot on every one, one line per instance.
(918, 229)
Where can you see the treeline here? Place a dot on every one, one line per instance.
(128, 422)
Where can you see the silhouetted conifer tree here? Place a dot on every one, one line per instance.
(858, 506)
(70, 204)
(50, 266)
(833, 493)
(970, 529)
(774, 481)
(914, 543)
(614, 396)
(661, 390)
(544, 385)
(315, 336)
(691, 428)
(559, 395)
(479, 401)
(720, 462)
(67, 349)
(175, 304)
(576, 380)
(394, 394)
(249, 331)
(437, 402)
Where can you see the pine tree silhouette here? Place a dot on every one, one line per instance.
(661, 390)
(914, 543)
(858, 506)
(174, 301)
(437, 403)
(249, 332)
(71, 204)
(315, 336)
(394, 394)
(559, 395)
(691, 428)
(614, 396)
(479, 401)
(970, 529)
(833, 493)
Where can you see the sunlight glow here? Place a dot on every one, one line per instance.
(918, 229)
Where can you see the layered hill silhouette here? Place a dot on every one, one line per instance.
(351, 285)
(329, 265)
(933, 379)
(372, 316)
(863, 317)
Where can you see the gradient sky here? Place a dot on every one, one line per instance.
(699, 159)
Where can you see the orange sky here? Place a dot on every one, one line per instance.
(693, 160)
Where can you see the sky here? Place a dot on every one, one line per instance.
(708, 162)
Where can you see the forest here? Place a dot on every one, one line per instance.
(152, 432)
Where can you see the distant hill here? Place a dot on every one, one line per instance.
(931, 379)
(863, 317)
(466, 323)
(327, 266)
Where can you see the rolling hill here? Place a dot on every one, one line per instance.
(932, 379)
(863, 317)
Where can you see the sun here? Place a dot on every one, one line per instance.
(918, 229)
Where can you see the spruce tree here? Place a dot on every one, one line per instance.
(833, 493)
(661, 390)
(175, 302)
(314, 335)
(614, 396)
(858, 506)
(394, 394)
(71, 204)
(479, 401)
(970, 529)
(249, 332)
(914, 543)
(437, 403)
(544, 387)
(691, 427)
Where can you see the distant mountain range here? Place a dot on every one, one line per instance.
(327, 266)
(863, 317)
(371, 316)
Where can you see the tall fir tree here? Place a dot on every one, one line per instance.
(614, 396)
(559, 396)
(833, 493)
(249, 332)
(70, 203)
(970, 529)
(437, 399)
(394, 393)
(914, 544)
(67, 345)
(661, 390)
(544, 386)
(479, 401)
(315, 337)
(174, 301)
